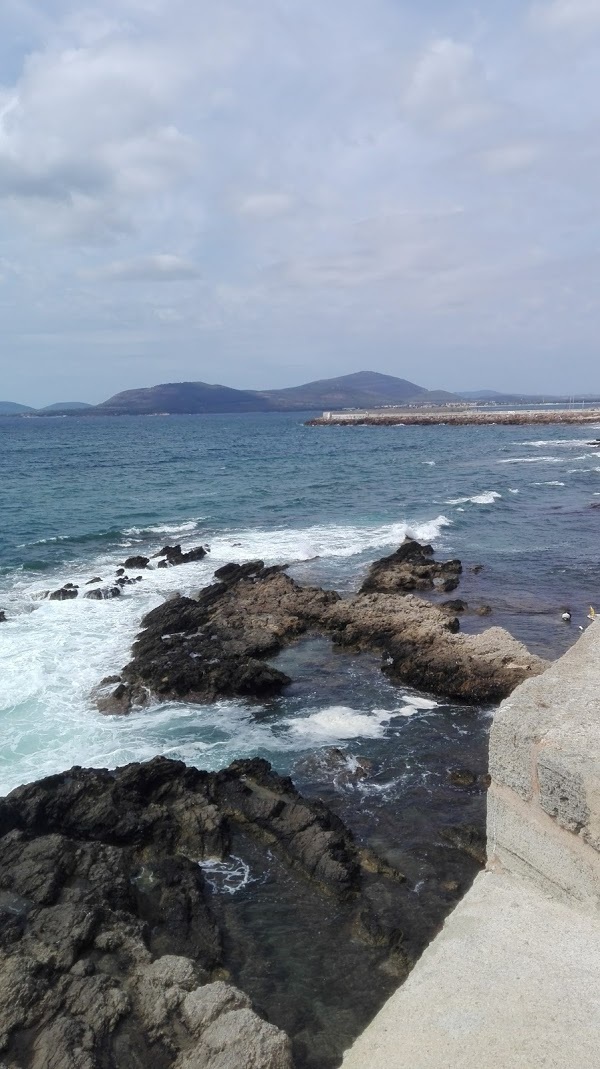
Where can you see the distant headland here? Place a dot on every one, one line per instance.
(363, 390)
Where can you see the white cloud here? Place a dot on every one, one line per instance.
(512, 157)
(447, 89)
(568, 15)
(160, 267)
(264, 205)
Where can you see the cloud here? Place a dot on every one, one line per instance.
(511, 157)
(578, 15)
(264, 205)
(160, 267)
(447, 89)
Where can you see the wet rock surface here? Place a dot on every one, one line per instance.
(172, 555)
(217, 644)
(114, 950)
(412, 567)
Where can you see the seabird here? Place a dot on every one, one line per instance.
(566, 616)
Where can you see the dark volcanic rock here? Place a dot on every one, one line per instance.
(174, 555)
(136, 562)
(112, 955)
(2, 616)
(103, 593)
(64, 594)
(412, 567)
(216, 645)
(455, 605)
(96, 579)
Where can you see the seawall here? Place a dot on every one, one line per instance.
(390, 417)
(513, 979)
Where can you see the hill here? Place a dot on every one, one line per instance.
(11, 408)
(66, 406)
(363, 389)
(183, 398)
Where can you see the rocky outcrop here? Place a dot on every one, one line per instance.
(217, 644)
(412, 567)
(65, 593)
(112, 956)
(171, 555)
(136, 562)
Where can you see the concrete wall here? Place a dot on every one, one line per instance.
(544, 801)
(511, 982)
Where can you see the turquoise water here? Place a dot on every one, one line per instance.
(78, 495)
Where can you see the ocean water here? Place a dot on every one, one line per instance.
(78, 495)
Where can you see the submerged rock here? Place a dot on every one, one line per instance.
(112, 956)
(412, 567)
(216, 645)
(2, 616)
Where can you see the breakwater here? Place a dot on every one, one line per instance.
(454, 417)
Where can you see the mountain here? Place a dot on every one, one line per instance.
(363, 389)
(11, 408)
(66, 406)
(183, 397)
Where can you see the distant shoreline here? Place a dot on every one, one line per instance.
(466, 417)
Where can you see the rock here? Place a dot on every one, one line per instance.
(96, 579)
(102, 593)
(120, 571)
(475, 569)
(469, 840)
(110, 946)
(462, 777)
(136, 562)
(174, 555)
(215, 645)
(64, 594)
(484, 610)
(2, 616)
(456, 605)
(412, 567)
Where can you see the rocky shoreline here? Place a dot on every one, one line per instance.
(452, 417)
(218, 644)
(117, 949)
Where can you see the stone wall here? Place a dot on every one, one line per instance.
(544, 800)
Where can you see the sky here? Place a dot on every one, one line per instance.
(261, 194)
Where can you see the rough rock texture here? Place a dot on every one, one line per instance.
(107, 934)
(102, 593)
(64, 594)
(136, 562)
(174, 555)
(216, 645)
(412, 567)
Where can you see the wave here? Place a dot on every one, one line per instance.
(486, 498)
(550, 482)
(564, 443)
(163, 528)
(321, 540)
(532, 460)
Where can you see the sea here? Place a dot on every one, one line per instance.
(520, 506)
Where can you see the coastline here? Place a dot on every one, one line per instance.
(463, 418)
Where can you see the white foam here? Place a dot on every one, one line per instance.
(514, 491)
(228, 876)
(421, 703)
(321, 540)
(563, 443)
(532, 460)
(165, 528)
(486, 498)
(550, 482)
(340, 722)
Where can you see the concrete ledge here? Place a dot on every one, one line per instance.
(511, 982)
